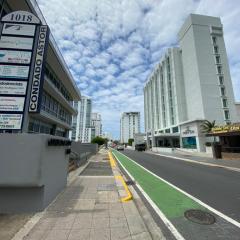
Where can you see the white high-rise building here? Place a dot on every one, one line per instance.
(97, 124)
(81, 124)
(129, 125)
(191, 83)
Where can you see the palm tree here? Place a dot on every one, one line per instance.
(207, 127)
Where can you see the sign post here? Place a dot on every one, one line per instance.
(23, 47)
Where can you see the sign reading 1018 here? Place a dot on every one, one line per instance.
(21, 16)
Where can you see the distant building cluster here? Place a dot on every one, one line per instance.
(85, 125)
(129, 125)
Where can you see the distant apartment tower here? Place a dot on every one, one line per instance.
(129, 125)
(81, 124)
(191, 83)
(97, 124)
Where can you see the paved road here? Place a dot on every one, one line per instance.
(217, 187)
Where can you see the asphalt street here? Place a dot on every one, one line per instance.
(217, 187)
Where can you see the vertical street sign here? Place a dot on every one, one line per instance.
(37, 82)
(23, 47)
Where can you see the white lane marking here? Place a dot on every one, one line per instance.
(193, 161)
(234, 222)
(168, 224)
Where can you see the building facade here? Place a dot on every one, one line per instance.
(190, 84)
(81, 124)
(97, 124)
(129, 125)
(58, 89)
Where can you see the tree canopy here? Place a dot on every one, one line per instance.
(130, 141)
(99, 140)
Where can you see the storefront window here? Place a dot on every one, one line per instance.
(189, 142)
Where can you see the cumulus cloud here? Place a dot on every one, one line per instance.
(112, 46)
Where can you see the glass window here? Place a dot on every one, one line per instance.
(189, 142)
(216, 50)
(218, 60)
(223, 92)
(226, 114)
(219, 69)
(224, 102)
(175, 130)
(214, 39)
(221, 79)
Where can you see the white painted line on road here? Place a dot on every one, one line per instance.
(168, 224)
(230, 220)
(193, 161)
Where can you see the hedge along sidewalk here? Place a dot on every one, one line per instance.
(169, 200)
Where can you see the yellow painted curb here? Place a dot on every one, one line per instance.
(129, 194)
(112, 161)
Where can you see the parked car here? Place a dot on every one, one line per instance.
(140, 147)
(120, 147)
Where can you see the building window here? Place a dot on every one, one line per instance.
(224, 102)
(218, 60)
(216, 50)
(175, 129)
(214, 40)
(221, 80)
(219, 69)
(226, 114)
(223, 92)
(189, 142)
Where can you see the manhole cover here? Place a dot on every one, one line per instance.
(130, 182)
(199, 216)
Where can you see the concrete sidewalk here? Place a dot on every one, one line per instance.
(90, 208)
(191, 156)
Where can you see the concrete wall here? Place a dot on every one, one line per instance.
(31, 172)
(162, 149)
(82, 148)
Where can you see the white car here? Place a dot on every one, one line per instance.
(120, 147)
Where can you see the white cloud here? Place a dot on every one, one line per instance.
(112, 46)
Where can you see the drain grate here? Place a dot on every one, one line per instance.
(97, 169)
(130, 182)
(199, 216)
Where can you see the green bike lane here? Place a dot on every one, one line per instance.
(173, 204)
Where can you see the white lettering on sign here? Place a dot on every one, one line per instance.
(37, 73)
(18, 29)
(10, 121)
(16, 43)
(12, 104)
(13, 87)
(9, 56)
(21, 17)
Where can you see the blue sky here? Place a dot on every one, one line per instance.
(111, 46)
